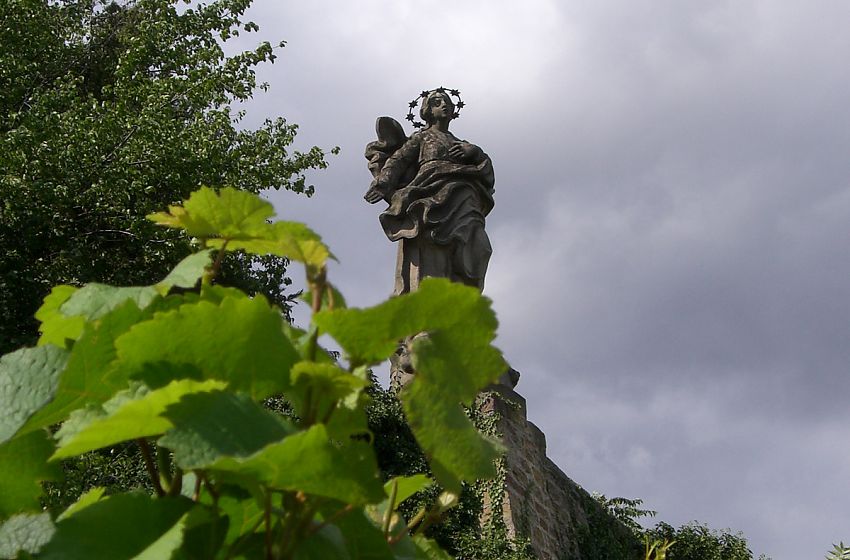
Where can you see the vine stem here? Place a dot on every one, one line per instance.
(388, 515)
(150, 466)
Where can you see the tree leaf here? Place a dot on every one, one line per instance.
(239, 340)
(25, 532)
(23, 466)
(308, 461)
(124, 526)
(208, 426)
(131, 414)
(56, 327)
(28, 380)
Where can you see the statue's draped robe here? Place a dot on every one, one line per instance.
(437, 209)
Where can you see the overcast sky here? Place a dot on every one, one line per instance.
(671, 262)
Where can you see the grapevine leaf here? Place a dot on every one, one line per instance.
(187, 272)
(239, 340)
(124, 526)
(316, 388)
(131, 414)
(292, 240)
(90, 376)
(56, 327)
(331, 298)
(363, 539)
(28, 379)
(93, 300)
(242, 512)
(455, 449)
(407, 486)
(211, 425)
(23, 465)
(451, 327)
(227, 213)
(26, 532)
(369, 336)
(310, 462)
(430, 548)
(325, 544)
(88, 498)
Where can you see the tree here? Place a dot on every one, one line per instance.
(108, 112)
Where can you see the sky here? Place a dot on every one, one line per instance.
(671, 265)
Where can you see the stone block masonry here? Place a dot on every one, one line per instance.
(537, 501)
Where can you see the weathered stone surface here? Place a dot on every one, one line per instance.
(538, 501)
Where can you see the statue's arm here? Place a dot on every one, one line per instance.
(387, 180)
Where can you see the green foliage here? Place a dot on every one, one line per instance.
(182, 376)
(695, 541)
(839, 552)
(110, 111)
(626, 511)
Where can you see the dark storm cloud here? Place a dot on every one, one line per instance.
(671, 228)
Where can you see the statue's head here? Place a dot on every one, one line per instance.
(435, 105)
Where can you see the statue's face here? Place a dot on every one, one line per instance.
(440, 106)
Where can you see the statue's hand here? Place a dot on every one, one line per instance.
(464, 151)
(374, 194)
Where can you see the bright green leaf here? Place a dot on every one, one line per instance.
(23, 466)
(292, 240)
(316, 388)
(226, 213)
(208, 426)
(28, 380)
(187, 272)
(407, 486)
(310, 462)
(130, 414)
(239, 341)
(56, 327)
(371, 335)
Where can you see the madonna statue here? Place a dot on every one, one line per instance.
(439, 190)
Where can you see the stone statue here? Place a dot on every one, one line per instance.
(439, 190)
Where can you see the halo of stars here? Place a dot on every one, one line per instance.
(412, 105)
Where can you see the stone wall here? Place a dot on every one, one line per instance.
(537, 501)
